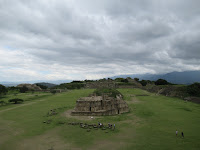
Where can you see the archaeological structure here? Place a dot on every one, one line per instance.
(100, 106)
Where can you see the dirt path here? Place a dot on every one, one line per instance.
(21, 105)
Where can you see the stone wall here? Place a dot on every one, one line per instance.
(100, 84)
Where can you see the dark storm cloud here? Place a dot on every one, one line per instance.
(99, 38)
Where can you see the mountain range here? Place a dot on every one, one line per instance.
(185, 77)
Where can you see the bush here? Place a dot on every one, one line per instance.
(109, 92)
(16, 100)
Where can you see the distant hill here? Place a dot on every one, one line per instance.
(8, 84)
(49, 85)
(185, 77)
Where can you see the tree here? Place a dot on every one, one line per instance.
(161, 82)
(143, 82)
(23, 89)
(16, 100)
(136, 79)
(3, 90)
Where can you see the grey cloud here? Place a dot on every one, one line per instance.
(132, 35)
(145, 32)
(187, 46)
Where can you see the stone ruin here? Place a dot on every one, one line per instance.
(30, 87)
(100, 106)
(100, 84)
(132, 83)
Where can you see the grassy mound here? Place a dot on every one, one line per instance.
(107, 91)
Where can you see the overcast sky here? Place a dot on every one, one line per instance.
(91, 39)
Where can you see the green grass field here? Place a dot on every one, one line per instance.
(150, 124)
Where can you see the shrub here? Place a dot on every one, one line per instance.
(16, 100)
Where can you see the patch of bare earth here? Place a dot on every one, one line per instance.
(68, 115)
(133, 100)
(47, 141)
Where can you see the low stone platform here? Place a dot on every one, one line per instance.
(100, 106)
